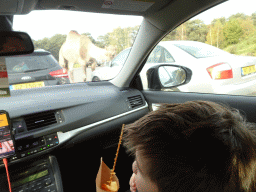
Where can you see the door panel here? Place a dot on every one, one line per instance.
(246, 104)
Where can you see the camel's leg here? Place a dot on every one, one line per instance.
(71, 71)
(94, 63)
(83, 66)
(61, 59)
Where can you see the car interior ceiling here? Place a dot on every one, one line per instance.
(79, 157)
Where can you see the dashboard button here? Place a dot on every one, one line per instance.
(19, 148)
(22, 155)
(14, 157)
(42, 141)
(35, 143)
(48, 182)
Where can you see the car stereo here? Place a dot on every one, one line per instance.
(40, 176)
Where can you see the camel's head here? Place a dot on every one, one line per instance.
(111, 52)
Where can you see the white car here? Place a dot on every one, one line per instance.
(213, 70)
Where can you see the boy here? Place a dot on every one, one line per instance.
(192, 146)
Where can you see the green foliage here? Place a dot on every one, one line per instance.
(193, 30)
(196, 30)
(246, 47)
(238, 16)
(120, 37)
(215, 34)
(253, 16)
(52, 44)
(232, 32)
(90, 37)
(222, 20)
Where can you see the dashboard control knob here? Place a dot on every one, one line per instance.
(48, 182)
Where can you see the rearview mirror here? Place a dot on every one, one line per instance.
(15, 43)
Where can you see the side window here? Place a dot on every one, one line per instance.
(120, 59)
(155, 56)
(160, 55)
(168, 57)
(218, 49)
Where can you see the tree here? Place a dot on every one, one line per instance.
(253, 17)
(90, 37)
(171, 36)
(104, 40)
(181, 32)
(232, 32)
(52, 44)
(215, 34)
(247, 26)
(196, 30)
(222, 20)
(238, 16)
(120, 37)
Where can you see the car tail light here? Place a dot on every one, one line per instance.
(3, 74)
(220, 71)
(59, 73)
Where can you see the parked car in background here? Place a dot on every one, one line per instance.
(38, 69)
(213, 70)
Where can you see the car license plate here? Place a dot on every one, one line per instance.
(27, 85)
(248, 70)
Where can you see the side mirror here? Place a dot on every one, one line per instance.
(15, 43)
(167, 76)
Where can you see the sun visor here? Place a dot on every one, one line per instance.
(10, 7)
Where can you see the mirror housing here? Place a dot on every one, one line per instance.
(15, 43)
(167, 76)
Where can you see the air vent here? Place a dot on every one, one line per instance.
(135, 101)
(39, 120)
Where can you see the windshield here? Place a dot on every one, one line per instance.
(200, 50)
(82, 44)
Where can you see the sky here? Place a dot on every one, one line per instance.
(61, 22)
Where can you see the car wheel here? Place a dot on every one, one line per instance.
(94, 79)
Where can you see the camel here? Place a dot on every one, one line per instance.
(79, 49)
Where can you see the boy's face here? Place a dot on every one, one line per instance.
(143, 183)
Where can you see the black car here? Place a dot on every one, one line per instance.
(37, 69)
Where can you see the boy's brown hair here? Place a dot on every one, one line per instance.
(195, 146)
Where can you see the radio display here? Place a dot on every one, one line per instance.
(30, 178)
(6, 141)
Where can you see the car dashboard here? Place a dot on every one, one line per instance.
(44, 119)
